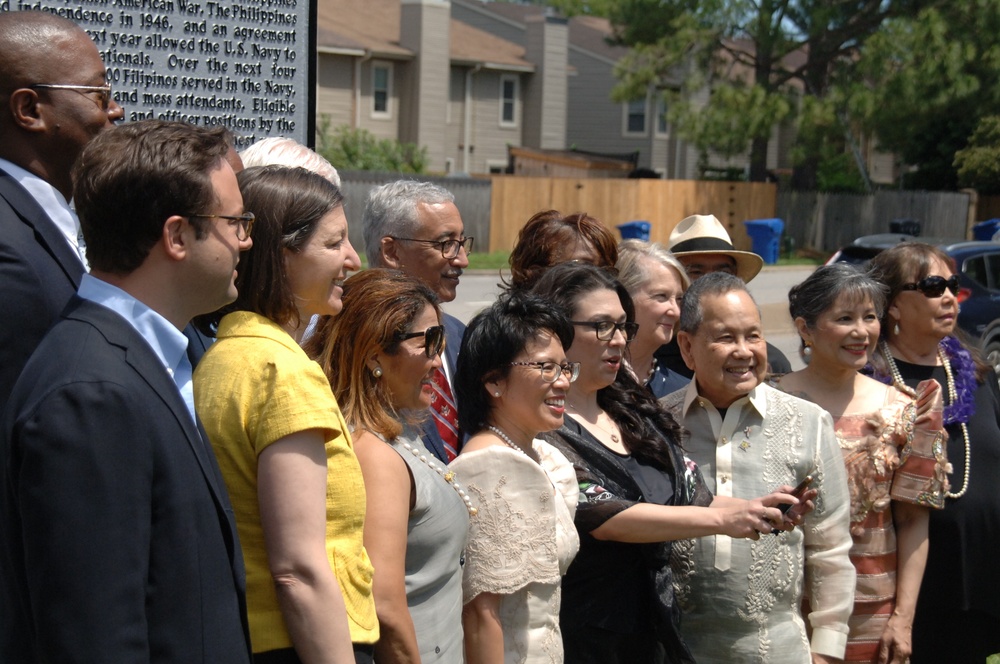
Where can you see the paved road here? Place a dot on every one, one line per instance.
(770, 288)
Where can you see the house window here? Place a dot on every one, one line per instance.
(662, 128)
(508, 100)
(635, 118)
(381, 89)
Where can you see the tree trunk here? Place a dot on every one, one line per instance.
(758, 160)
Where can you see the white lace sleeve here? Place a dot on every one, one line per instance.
(512, 538)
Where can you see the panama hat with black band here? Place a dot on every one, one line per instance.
(704, 234)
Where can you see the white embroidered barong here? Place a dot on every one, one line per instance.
(741, 599)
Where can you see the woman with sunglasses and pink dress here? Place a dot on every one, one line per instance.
(893, 447)
(958, 610)
(380, 355)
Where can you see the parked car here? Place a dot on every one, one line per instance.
(978, 265)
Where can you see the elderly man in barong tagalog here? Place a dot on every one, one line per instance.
(786, 597)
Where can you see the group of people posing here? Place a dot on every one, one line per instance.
(234, 444)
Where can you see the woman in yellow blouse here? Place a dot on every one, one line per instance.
(285, 452)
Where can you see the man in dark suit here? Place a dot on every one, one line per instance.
(117, 539)
(54, 100)
(415, 227)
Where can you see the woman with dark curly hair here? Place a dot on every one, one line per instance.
(638, 492)
(958, 610)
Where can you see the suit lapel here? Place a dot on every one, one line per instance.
(32, 214)
(148, 367)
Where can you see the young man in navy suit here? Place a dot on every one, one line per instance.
(53, 100)
(117, 539)
(415, 227)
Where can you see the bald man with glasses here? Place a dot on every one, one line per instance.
(55, 99)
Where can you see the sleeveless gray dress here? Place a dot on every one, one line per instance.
(435, 539)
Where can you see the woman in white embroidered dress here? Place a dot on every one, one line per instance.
(893, 448)
(512, 380)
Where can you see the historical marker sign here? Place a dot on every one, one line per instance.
(245, 64)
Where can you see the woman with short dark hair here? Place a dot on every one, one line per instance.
(550, 238)
(513, 376)
(893, 449)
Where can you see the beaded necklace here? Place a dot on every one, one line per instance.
(506, 440)
(447, 475)
(959, 407)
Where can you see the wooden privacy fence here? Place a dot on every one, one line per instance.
(826, 222)
(663, 203)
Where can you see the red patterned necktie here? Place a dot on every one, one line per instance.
(445, 415)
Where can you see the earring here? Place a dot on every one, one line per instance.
(808, 350)
(497, 393)
(895, 328)
(377, 372)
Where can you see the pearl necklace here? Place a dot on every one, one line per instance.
(506, 440)
(447, 475)
(897, 379)
(652, 371)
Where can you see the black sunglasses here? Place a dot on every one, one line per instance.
(934, 285)
(433, 339)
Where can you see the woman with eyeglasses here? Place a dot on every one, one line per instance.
(283, 447)
(656, 281)
(893, 448)
(380, 354)
(958, 610)
(513, 377)
(637, 491)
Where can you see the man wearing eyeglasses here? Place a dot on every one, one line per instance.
(117, 539)
(54, 100)
(741, 599)
(416, 227)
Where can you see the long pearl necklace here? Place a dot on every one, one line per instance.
(952, 395)
(506, 440)
(447, 475)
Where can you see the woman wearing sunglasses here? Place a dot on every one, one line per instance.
(958, 609)
(893, 448)
(637, 491)
(513, 377)
(380, 355)
(283, 447)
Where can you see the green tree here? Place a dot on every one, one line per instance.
(360, 150)
(765, 62)
(925, 82)
(979, 164)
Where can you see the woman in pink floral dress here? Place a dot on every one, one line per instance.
(894, 450)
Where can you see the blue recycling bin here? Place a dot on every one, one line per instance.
(985, 230)
(635, 230)
(765, 235)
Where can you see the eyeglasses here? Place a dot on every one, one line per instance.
(244, 222)
(552, 370)
(433, 339)
(103, 99)
(934, 286)
(606, 329)
(449, 248)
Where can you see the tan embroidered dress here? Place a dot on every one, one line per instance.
(521, 542)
